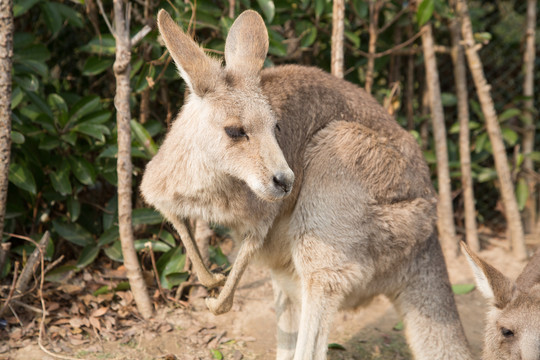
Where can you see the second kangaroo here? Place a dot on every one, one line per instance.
(316, 181)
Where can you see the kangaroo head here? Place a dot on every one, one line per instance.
(513, 323)
(226, 124)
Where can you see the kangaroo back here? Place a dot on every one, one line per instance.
(513, 323)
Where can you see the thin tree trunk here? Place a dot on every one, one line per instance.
(338, 26)
(494, 131)
(460, 78)
(122, 70)
(6, 54)
(529, 213)
(445, 210)
(410, 92)
(374, 8)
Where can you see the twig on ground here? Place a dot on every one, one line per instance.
(28, 307)
(52, 265)
(12, 289)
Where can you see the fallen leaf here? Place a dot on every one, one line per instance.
(100, 312)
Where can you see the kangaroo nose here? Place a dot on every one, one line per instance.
(284, 181)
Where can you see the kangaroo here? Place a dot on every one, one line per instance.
(513, 321)
(316, 181)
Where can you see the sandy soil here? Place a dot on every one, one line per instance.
(247, 332)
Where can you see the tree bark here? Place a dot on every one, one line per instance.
(494, 132)
(529, 213)
(122, 70)
(338, 28)
(6, 55)
(460, 78)
(374, 8)
(445, 210)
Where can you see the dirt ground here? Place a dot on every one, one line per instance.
(248, 331)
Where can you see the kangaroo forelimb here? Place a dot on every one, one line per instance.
(206, 278)
(224, 301)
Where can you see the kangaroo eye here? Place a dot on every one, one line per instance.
(235, 132)
(507, 333)
(278, 128)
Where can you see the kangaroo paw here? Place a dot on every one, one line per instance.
(219, 307)
(213, 280)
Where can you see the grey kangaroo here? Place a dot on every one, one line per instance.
(316, 181)
(513, 321)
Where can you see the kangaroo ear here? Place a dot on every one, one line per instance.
(495, 287)
(200, 72)
(530, 276)
(247, 44)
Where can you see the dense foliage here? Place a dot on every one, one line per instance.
(63, 167)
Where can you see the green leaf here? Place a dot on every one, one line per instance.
(353, 37)
(48, 142)
(114, 252)
(83, 107)
(17, 137)
(73, 233)
(59, 108)
(60, 179)
(535, 156)
(61, 273)
(522, 193)
(28, 82)
(461, 289)
(22, 6)
(483, 37)
(144, 137)
(336, 346)
(109, 236)
(217, 256)
(111, 213)
(508, 114)
(94, 130)
(276, 46)
(95, 65)
(42, 105)
(72, 16)
(88, 255)
(448, 99)
(268, 8)
(105, 289)
(510, 136)
(399, 326)
(424, 12)
(146, 216)
(74, 209)
(362, 8)
(97, 117)
(487, 175)
(480, 142)
(21, 177)
(175, 279)
(101, 45)
(157, 246)
(216, 354)
(319, 7)
(83, 170)
(52, 17)
(171, 262)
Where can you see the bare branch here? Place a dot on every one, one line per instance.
(102, 11)
(140, 35)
